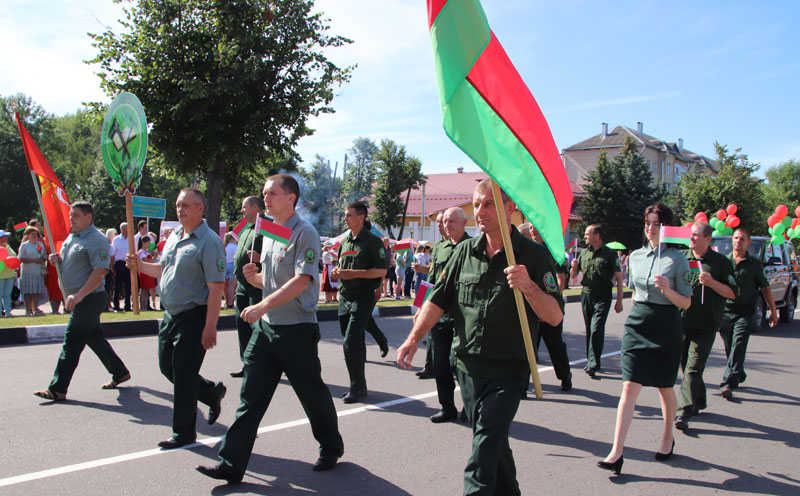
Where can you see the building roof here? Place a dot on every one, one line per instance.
(616, 137)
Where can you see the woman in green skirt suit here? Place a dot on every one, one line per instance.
(651, 340)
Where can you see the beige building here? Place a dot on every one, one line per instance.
(668, 161)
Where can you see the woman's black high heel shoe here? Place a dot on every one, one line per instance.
(665, 456)
(616, 466)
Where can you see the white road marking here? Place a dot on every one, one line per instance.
(43, 474)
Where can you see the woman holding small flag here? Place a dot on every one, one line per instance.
(651, 340)
(32, 255)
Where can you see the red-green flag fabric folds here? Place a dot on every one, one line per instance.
(241, 226)
(279, 233)
(676, 235)
(490, 114)
(20, 227)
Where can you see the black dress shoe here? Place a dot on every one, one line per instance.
(615, 467)
(384, 346)
(682, 422)
(218, 473)
(238, 373)
(463, 415)
(353, 396)
(590, 371)
(325, 462)
(215, 409)
(727, 392)
(665, 456)
(173, 443)
(566, 385)
(425, 374)
(444, 416)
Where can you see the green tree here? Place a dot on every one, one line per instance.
(397, 174)
(18, 202)
(617, 193)
(783, 185)
(317, 196)
(361, 170)
(225, 84)
(734, 183)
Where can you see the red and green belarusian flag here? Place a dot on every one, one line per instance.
(402, 247)
(20, 227)
(677, 235)
(281, 234)
(490, 114)
(423, 293)
(241, 226)
(695, 266)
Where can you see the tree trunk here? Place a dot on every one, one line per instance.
(214, 194)
(405, 209)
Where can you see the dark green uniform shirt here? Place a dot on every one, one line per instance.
(474, 290)
(240, 258)
(362, 252)
(442, 250)
(750, 279)
(598, 269)
(708, 314)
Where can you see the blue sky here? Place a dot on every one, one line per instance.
(702, 71)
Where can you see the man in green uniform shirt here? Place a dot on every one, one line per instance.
(600, 267)
(362, 265)
(737, 318)
(246, 293)
(475, 288)
(285, 339)
(84, 263)
(701, 320)
(192, 273)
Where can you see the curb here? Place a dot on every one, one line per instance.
(127, 328)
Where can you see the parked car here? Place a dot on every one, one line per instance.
(782, 269)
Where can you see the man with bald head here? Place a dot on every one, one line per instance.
(454, 223)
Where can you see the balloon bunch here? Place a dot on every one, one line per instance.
(783, 227)
(6, 261)
(723, 221)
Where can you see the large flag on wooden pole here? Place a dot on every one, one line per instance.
(490, 113)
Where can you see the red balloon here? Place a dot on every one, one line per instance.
(12, 262)
(702, 215)
(797, 211)
(688, 224)
(781, 211)
(734, 221)
(721, 214)
(732, 208)
(795, 222)
(3, 253)
(772, 220)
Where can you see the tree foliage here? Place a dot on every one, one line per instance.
(361, 170)
(225, 85)
(318, 194)
(398, 174)
(783, 185)
(617, 193)
(735, 183)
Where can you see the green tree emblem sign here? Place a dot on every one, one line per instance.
(123, 141)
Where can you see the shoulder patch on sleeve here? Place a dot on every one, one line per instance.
(687, 278)
(103, 255)
(309, 256)
(221, 264)
(382, 253)
(550, 283)
(731, 280)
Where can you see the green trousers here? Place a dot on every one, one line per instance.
(735, 331)
(595, 312)
(83, 329)
(353, 318)
(245, 297)
(490, 405)
(180, 356)
(697, 344)
(273, 351)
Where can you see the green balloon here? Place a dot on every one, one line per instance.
(787, 221)
(770, 231)
(778, 229)
(151, 247)
(777, 239)
(727, 231)
(716, 232)
(2, 265)
(790, 232)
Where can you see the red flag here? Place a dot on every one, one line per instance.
(54, 200)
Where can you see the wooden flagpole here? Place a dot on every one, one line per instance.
(132, 250)
(523, 316)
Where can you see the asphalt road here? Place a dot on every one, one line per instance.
(104, 442)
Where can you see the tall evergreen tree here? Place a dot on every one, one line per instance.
(361, 170)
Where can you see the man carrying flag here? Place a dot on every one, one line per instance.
(246, 294)
(492, 369)
(285, 337)
(707, 268)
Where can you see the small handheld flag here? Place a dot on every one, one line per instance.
(241, 226)
(20, 227)
(278, 233)
(402, 247)
(423, 293)
(677, 235)
(697, 267)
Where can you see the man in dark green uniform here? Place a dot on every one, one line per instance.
(285, 339)
(362, 265)
(455, 223)
(246, 293)
(737, 318)
(475, 289)
(427, 370)
(554, 335)
(600, 267)
(84, 263)
(701, 320)
(192, 273)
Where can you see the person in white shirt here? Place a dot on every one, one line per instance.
(122, 276)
